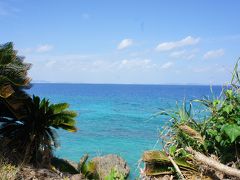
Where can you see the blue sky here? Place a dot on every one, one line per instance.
(123, 41)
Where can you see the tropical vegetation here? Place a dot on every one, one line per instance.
(27, 123)
(7, 170)
(216, 136)
(192, 146)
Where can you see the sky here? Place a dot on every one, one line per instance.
(125, 41)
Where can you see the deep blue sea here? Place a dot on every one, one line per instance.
(116, 119)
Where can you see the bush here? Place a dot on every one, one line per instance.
(8, 171)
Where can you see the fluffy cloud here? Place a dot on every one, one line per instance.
(184, 54)
(124, 44)
(167, 46)
(39, 49)
(44, 48)
(133, 64)
(213, 54)
(178, 54)
(167, 65)
(91, 63)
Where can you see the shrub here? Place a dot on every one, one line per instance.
(8, 171)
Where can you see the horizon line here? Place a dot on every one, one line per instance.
(168, 84)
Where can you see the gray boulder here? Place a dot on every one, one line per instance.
(105, 164)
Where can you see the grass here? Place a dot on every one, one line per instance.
(8, 171)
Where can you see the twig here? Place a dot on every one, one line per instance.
(176, 167)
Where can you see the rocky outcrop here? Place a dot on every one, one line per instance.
(30, 173)
(77, 177)
(98, 168)
(105, 164)
(65, 166)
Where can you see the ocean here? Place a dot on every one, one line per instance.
(116, 119)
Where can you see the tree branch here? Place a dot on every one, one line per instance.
(213, 163)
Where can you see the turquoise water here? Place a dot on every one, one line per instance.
(116, 118)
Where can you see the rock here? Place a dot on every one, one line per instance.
(104, 165)
(65, 166)
(30, 173)
(77, 177)
(73, 164)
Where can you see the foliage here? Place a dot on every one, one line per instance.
(161, 157)
(8, 171)
(215, 132)
(223, 126)
(12, 71)
(82, 162)
(184, 130)
(218, 133)
(27, 124)
(34, 136)
(13, 79)
(159, 164)
(89, 170)
(114, 175)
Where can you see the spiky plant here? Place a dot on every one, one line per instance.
(34, 136)
(219, 132)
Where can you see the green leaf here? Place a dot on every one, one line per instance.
(172, 150)
(229, 93)
(228, 108)
(216, 102)
(212, 132)
(233, 131)
(218, 138)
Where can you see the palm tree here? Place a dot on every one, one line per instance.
(34, 136)
(13, 72)
(27, 124)
(13, 79)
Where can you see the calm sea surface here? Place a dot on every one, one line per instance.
(116, 118)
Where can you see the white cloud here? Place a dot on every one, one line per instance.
(44, 48)
(167, 65)
(214, 54)
(93, 69)
(178, 54)
(167, 46)
(124, 44)
(184, 54)
(39, 49)
(25, 51)
(136, 64)
(90, 63)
